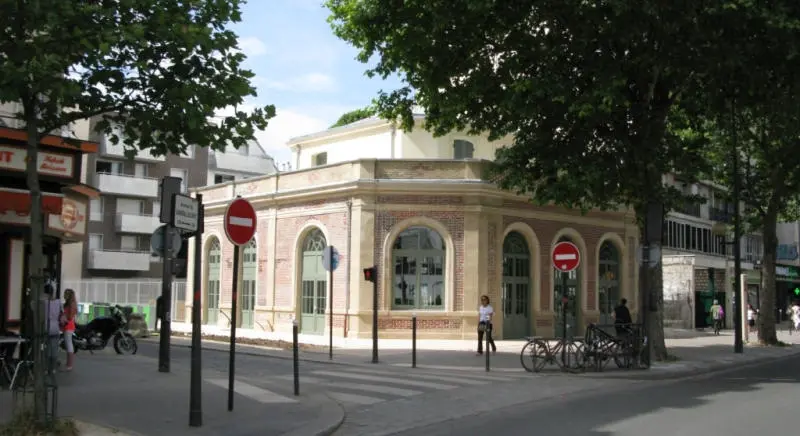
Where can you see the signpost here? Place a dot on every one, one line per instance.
(240, 227)
(185, 213)
(157, 240)
(169, 187)
(196, 377)
(330, 261)
(566, 258)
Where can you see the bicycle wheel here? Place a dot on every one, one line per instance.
(526, 356)
(570, 356)
(540, 355)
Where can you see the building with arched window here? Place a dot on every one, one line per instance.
(438, 246)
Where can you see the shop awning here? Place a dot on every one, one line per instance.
(19, 201)
(83, 189)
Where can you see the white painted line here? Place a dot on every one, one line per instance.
(427, 376)
(239, 221)
(380, 389)
(252, 392)
(471, 372)
(390, 380)
(566, 257)
(354, 398)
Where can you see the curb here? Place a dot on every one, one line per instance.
(86, 428)
(326, 423)
(691, 372)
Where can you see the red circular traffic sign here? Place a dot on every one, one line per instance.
(566, 256)
(240, 221)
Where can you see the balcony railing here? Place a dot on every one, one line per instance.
(140, 224)
(119, 260)
(123, 184)
(720, 215)
(108, 148)
(233, 161)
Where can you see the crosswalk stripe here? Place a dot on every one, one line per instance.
(354, 398)
(380, 389)
(468, 371)
(252, 392)
(425, 376)
(392, 380)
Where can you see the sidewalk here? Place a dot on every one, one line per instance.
(696, 352)
(127, 393)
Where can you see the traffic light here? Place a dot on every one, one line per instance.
(370, 274)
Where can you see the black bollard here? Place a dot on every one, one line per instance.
(296, 358)
(414, 340)
(488, 332)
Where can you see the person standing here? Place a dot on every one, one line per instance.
(485, 314)
(622, 318)
(70, 312)
(751, 318)
(53, 317)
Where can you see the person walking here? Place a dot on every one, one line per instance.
(751, 318)
(70, 312)
(717, 314)
(485, 314)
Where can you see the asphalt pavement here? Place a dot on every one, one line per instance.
(757, 400)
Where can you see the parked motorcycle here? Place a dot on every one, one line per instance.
(96, 335)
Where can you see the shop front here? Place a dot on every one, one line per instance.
(787, 288)
(65, 208)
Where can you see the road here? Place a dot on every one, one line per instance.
(757, 400)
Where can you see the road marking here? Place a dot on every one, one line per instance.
(252, 392)
(386, 380)
(570, 256)
(354, 398)
(427, 376)
(381, 389)
(465, 372)
(240, 221)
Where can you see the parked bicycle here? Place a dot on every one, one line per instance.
(626, 348)
(538, 352)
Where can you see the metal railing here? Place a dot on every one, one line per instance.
(139, 294)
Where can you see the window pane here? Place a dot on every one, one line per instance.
(418, 272)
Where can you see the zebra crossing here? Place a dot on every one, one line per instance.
(361, 386)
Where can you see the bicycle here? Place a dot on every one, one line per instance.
(538, 352)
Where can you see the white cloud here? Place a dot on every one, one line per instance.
(252, 46)
(311, 82)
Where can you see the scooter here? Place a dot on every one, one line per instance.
(96, 335)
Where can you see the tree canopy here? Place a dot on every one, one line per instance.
(355, 115)
(597, 96)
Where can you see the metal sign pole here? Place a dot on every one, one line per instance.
(330, 298)
(196, 385)
(232, 354)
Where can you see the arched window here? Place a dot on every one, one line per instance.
(213, 266)
(418, 256)
(609, 280)
(516, 286)
(248, 293)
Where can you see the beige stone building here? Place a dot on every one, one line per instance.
(440, 235)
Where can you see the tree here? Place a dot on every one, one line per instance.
(355, 115)
(754, 118)
(595, 94)
(158, 68)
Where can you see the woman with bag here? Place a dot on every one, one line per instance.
(70, 311)
(485, 313)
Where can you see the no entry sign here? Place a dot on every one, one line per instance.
(566, 256)
(240, 221)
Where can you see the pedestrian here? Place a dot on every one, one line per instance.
(70, 312)
(485, 314)
(717, 314)
(51, 308)
(622, 318)
(795, 313)
(159, 312)
(751, 318)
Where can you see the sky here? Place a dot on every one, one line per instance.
(302, 68)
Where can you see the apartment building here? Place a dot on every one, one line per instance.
(126, 214)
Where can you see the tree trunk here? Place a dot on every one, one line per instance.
(36, 266)
(767, 334)
(652, 278)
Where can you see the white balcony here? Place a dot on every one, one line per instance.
(239, 163)
(119, 260)
(130, 186)
(140, 224)
(108, 148)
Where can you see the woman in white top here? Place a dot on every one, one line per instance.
(751, 318)
(794, 311)
(485, 313)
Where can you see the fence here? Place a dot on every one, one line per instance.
(95, 296)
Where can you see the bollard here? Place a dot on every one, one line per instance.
(296, 358)
(414, 340)
(488, 332)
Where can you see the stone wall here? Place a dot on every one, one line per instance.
(679, 287)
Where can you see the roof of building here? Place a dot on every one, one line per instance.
(366, 123)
